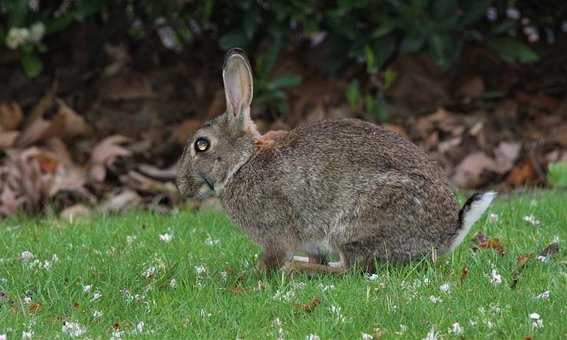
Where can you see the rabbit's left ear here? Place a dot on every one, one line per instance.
(238, 87)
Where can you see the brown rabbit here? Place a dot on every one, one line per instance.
(343, 187)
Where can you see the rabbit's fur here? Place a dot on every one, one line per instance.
(343, 187)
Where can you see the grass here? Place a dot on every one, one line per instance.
(217, 294)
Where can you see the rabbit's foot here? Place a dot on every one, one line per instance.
(313, 268)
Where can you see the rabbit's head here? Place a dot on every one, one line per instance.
(221, 146)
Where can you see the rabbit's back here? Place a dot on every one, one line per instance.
(348, 182)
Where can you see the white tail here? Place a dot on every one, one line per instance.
(475, 206)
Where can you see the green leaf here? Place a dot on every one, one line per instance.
(389, 78)
(59, 24)
(557, 174)
(285, 80)
(383, 50)
(268, 60)
(31, 64)
(353, 94)
(512, 50)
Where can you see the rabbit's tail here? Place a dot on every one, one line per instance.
(474, 207)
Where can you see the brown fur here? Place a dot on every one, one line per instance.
(344, 186)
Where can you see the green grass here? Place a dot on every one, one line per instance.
(112, 254)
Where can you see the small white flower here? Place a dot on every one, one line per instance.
(130, 239)
(140, 327)
(312, 337)
(495, 278)
(542, 258)
(211, 241)
(17, 37)
(435, 299)
(200, 269)
(97, 314)
(173, 283)
(543, 295)
(537, 322)
(531, 219)
(373, 277)
(513, 13)
(165, 237)
(73, 329)
(116, 334)
(37, 31)
(87, 288)
(27, 334)
(3, 337)
(456, 329)
(431, 335)
(27, 300)
(493, 217)
(26, 256)
(96, 296)
(491, 14)
(366, 336)
(445, 288)
(150, 272)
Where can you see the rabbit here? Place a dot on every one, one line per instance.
(344, 187)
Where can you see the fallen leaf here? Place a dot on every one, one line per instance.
(157, 173)
(237, 290)
(469, 172)
(8, 139)
(34, 308)
(550, 250)
(506, 155)
(73, 212)
(522, 174)
(471, 88)
(521, 261)
(121, 201)
(309, 306)
(104, 154)
(491, 244)
(10, 116)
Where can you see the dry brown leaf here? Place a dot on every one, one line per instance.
(521, 261)
(168, 174)
(522, 174)
(550, 250)
(140, 182)
(309, 306)
(75, 125)
(506, 155)
(73, 212)
(469, 173)
(492, 244)
(34, 308)
(121, 201)
(8, 138)
(10, 116)
(129, 86)
(471, 88)
(104, 154)
(237, 290)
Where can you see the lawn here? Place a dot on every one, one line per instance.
(192, 275)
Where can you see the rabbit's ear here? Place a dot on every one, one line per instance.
(237, 78)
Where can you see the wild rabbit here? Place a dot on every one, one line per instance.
(344, 187)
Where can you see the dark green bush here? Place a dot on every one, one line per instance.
(356, 31)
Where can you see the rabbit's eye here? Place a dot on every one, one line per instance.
(202, 144)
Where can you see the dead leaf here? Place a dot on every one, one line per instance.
(550, 250)
(10, 116)
(75, 125)
(237, 290)
(491, 244)
(8, 138)
(73, 212)
(121, 201)
(129, 86)
(34, 308)
(309, 306)
(469, 173)
(168, 174)
(506, 155)
(104, 154)
(521, 174)
(521, 261)
(140, 182)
